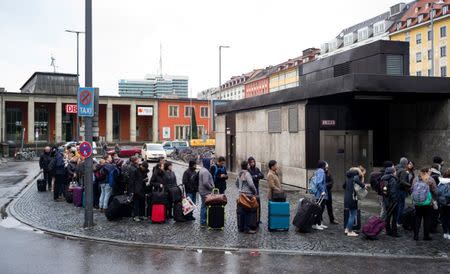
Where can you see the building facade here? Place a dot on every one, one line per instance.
(207, 93)
(233, 89)
(369, 31)
(155, 86)
(258, 83)
(415, 27)
(175, 118)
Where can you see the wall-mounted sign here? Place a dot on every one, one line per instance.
(71, 108)
(166, 132)
(145, 111)
(328, 123)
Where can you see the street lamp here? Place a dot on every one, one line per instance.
(440, 2)
(220, 83)
(78, 51)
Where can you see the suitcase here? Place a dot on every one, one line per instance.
(307, 214)
(159, 197)
(69, 196)
(178, 215)
(373, 227)
(175, 194)
(41, 185)
(357, 224)
(407, 218)
(158, 213)
(119, 207)
(246, 217)
(279, 216)
(78, 196)
(215, 216)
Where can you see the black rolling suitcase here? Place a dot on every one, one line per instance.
(41, 185)
(307, 214)
(215, 217)
(246, 217)
(119, 207)
(357, 224)
(407, 218)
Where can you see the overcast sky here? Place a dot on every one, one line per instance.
(127, 35)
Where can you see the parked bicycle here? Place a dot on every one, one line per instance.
(25, 154)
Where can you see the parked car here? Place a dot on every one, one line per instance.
(71, 143)
(153, 152)
(127, 151)
(171, 146)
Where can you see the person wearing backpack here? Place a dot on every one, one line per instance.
(444, 203)
(353, 176)
(375, 183)
(391, 200)
(329, 203)
(205, 187)
(190, 182)
(404, 186)
(220, 176)
(421, 196)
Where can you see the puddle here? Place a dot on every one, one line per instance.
(12, 223)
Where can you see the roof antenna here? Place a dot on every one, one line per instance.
(53, 63)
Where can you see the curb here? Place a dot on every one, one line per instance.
(19, 193)
(182, 247)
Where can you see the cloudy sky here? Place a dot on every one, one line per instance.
(127, 35)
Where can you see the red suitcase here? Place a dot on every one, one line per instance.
(158, 213)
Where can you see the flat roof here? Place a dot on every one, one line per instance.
(358, 84)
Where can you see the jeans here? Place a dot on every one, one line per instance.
(423, 212)
(445, 219)
(193, 197)
(351, 218)
(401, 206)
(203, 211)
(104, 197)
(382, 208)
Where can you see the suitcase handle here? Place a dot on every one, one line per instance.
(215, 191)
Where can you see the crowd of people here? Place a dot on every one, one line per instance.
(429, 187)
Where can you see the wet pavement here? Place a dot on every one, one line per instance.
(14, 176)
(38, 209)
(28, 251)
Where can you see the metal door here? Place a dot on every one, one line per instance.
(345, 149)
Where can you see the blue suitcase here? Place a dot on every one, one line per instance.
(279, 216)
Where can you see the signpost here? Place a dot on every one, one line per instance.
(85, 149)
(85, 100)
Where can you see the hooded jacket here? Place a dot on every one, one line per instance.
(403, 175)
(392, 185)
(205, 182)
(352, 178)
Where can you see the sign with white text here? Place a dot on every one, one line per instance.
(71, 108)
(85, 102)
(145, 111)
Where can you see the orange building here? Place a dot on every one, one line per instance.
(175, 118)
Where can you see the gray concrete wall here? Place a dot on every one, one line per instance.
(420, 131)
(253, 139)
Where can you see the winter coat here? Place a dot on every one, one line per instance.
(44, 161)
(157, 179)
(435, 174)
(245, 183)
(170, 179)
(329, 180)
(256, 176)
(393, 187)
(216, 171)
(433, 188)
(190, 185)
(274, 183)
(403, 175)
(352, 178)
(206, 182)
(137, 182)
(71, 170)
(321, 184)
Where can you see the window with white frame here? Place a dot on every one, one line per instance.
(429, 72)
(379, 28)
(200, 131)
(444, 71)
(443, 31)
(179, 132)
(429, 35)
(418, 57)
(204, 112)
(188, 111)
(445, 10)
(429, 54)
(418, 73)
(363, 34)
(173, 111)
(443, 51)
(420, 18)
(408, 22)
(419, 38)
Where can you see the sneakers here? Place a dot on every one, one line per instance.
(323, 226)
(346, 231)
(317, 227)
(352, 234)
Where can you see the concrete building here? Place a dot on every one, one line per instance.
(352, 108)
(155, 86)
(371, 30)
(415, 27)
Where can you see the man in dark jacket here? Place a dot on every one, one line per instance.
(44, 164)
(138, 181)
(403, 186)
(60, 176)
(375, 179)
(190, 182)
(391, 200)
(220, 176)
(255, 172)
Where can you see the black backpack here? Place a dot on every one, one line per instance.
(375, 182)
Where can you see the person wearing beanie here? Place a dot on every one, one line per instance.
(190, 182)
(404, 186)
(391, 194)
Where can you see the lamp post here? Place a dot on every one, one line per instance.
(78, 70)
(440, 2)
(220, 83)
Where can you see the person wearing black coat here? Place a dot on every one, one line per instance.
(190, 182)
(329, 203)
(170, 182)
(391, 200)
(44, 164)
(353, 176)
(255, 173)
(138, 181)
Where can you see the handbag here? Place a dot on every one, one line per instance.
(187, 203)
(215, 198)
(361, 192)
(247, 202)
(279, 196)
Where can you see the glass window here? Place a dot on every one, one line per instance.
(418, 73)
(204, 112)
(429, 72)
(188, 111)
(116, 125)
(444, 31)
(13, 124)
(429, 35)
(179, 133)
(429, 54)
(41, 121)
(418, 57)
(444, 71)
(418, 38)
(155, 147)
(443, 51)
(394, 64)
(173, 111)
(407, 38)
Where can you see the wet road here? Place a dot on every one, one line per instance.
(26, 251)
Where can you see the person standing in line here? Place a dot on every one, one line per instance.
(44, 164)
(444, 203)
(439, 162)
(205, 187)
(424, 210)
(60, 176)
(170, 182)
(255, 173)
(353, 176)
(219, 173)
(117, 149)
(391, 201)
(375, 180)
(190, 182)
(321, 192)
(329, 202)
(139, 179)
(273, 180)
(404, 186)
(247, 188)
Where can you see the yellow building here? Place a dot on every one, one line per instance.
(415, 27)
(284, 78)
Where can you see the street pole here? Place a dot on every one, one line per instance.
(220, 83)
(88, 183)
(78, 72)
(432, 39)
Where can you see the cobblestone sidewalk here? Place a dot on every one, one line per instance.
(39, 210)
